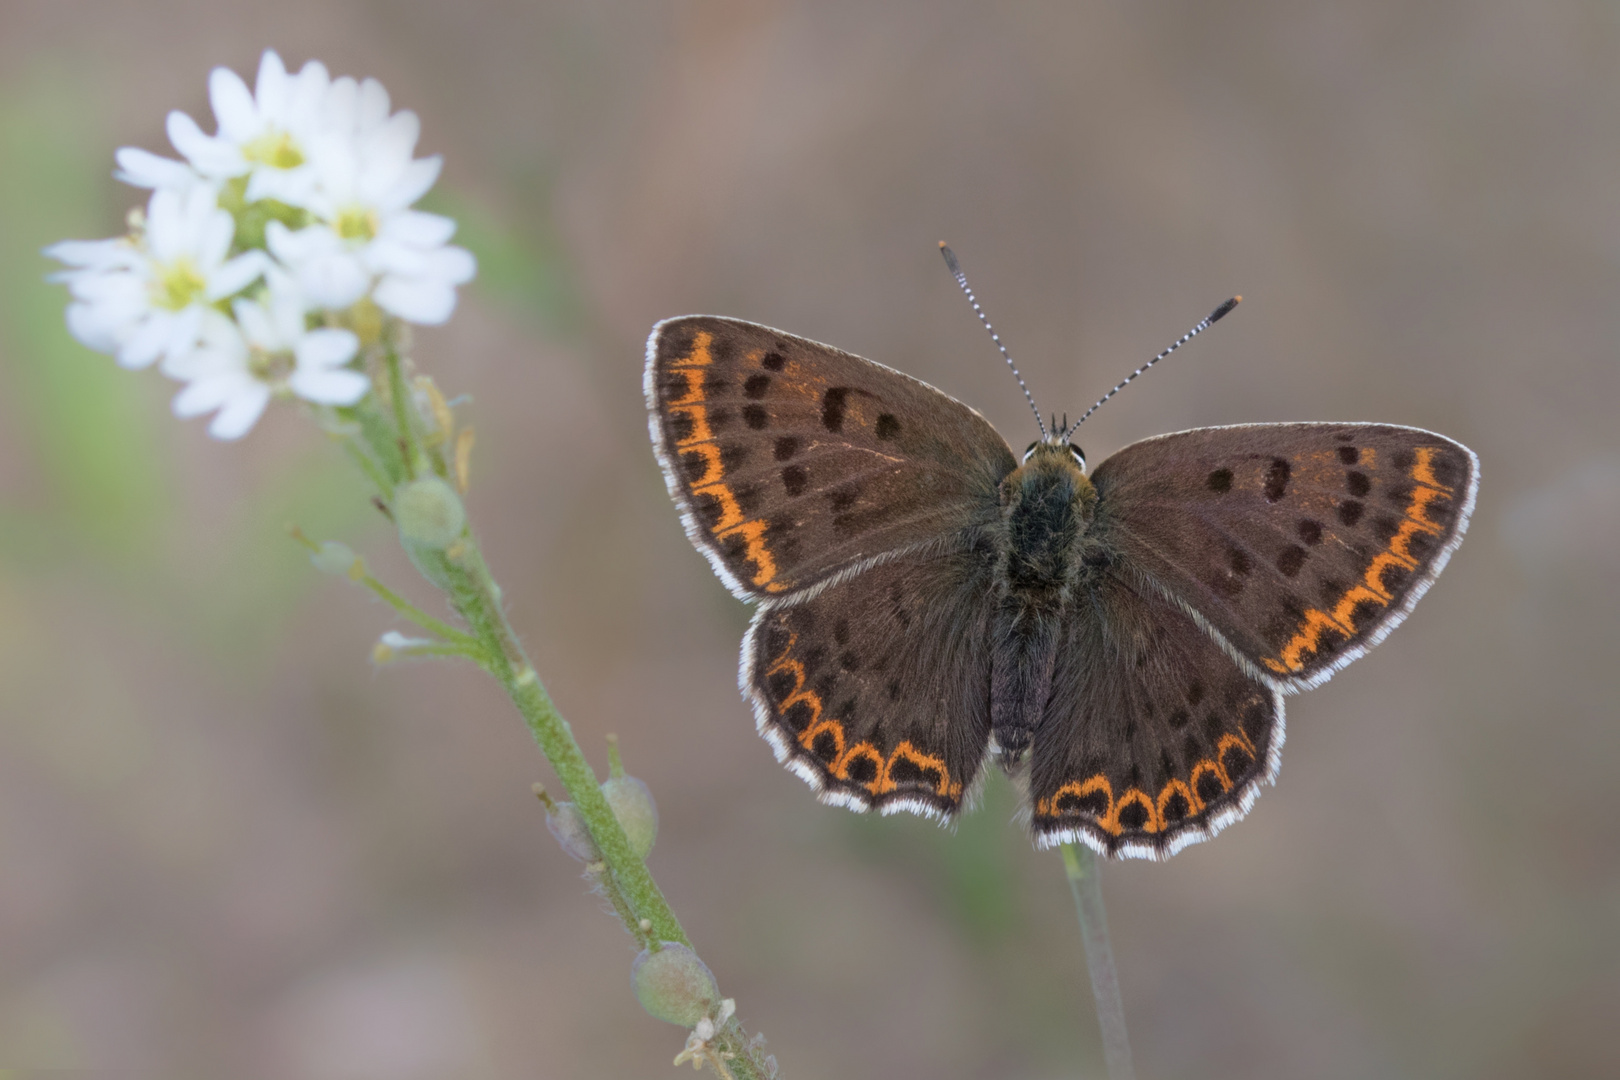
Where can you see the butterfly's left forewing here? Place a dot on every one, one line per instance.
(793, 462)
(1298, 546)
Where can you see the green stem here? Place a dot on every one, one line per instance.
(476, 597)
(1081, 866)
(403, 414)
(466, 644)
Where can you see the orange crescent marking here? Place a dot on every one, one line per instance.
(1142, 799)
(1171, 789)
(1309, 635)
(807, 738)
(1209, 765)
(700, 355)
(1079, 789)
(753, 534)
(713, 470)
(731, 514)
(700, 423)
(810, 697)
(1418, 511)
(924, 761)
(840, 766)
(1423, 467)
(694, 386)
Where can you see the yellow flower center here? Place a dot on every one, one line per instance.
(178, 284)
(357, 223)
(270, 367)
(276, 149)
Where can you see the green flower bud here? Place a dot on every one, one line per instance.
(429, 513)
(673, 984)
(633, 805)
(568, 826)
(334, 557)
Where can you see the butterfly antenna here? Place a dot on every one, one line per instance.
(1214, 317)
(961, 279)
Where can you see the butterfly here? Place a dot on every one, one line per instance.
(1122, 637)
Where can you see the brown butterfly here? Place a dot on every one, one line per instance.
(926, 598)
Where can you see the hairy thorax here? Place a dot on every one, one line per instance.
(1047, 505)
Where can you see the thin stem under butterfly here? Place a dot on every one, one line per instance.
(1213, 318)
(961, 279)
(1081, 867)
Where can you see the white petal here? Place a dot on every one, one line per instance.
(208, 155)
(411, 185)
(146, 343)
(207, 393)
(306, 104)
(84, 323)
(257, 326)
(214, 237)
(329, 387)
(426, 302)
(241, 412)
(142, 168)
(182, 333)
(90, 253)
(453, 264)
(165, 224)
(342, 99)
(237, 274)
(417, 228)
(334, 281)
(373, 105)
(395, 140)
(233, 106)
(326, 347)
(272, 88)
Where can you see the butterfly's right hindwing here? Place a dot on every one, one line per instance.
(792, 461)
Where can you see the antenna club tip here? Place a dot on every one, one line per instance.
(1220, 312)
(942, 245)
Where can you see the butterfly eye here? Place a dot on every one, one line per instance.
(1030, 449)
(1079, 454)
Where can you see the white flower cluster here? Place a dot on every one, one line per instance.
(261, 255)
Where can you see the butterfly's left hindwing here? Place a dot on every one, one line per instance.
(876, 689)
(792, 461)
(1299, 545)
(1153, 738)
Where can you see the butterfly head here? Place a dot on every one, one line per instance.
(1054, 445)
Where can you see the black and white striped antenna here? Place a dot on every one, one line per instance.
(1214, 317)
(961, 279)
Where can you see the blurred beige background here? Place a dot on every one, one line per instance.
(228, 847)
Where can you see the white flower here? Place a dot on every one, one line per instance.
(143, 297)
(367, 238)
(264, 134)
(266, 350)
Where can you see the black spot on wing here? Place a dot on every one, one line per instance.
(832, 408)
(1277, 479)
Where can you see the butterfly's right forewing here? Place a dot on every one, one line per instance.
(1299, 545)
(793, 462)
